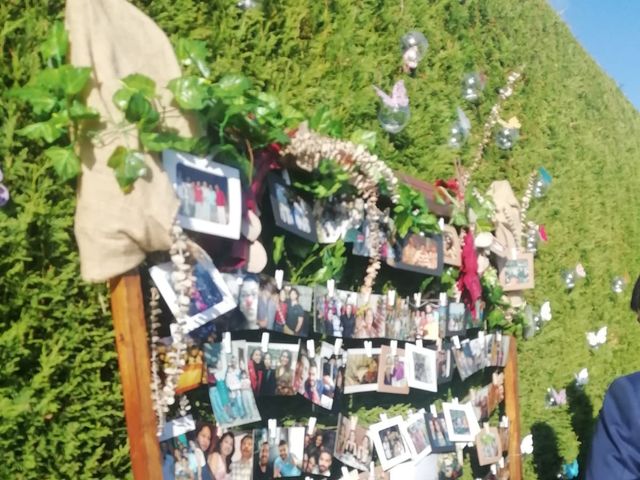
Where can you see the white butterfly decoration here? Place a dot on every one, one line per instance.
(580, 271)
(513, 122)
(595, 339)
(463, 122)
(582, 377)
(545, 311)
(398, 97)
(526, 446)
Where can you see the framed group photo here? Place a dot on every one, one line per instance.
(389, 442)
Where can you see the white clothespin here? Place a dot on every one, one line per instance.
(416, 298)
(286, 177)
(372, 471)
(498, 335)
(279, 277)
(272, 425)
(419, 343)
(331, 287)
(504, 421)
(443, 300)
(455, 401)
(456, 341)
(383, 417)
(345, 472)
(226, 342)
(501, 462)
(337, 346)
(353, 420)
(433, 410)
(493, 469)
(368, 347)
(311, 425)
(394, 347)
(486, 427)
(391, 297)
(514, 253)
(481, 335)
(311, 348)
(439, 344)
(441, 223)
(264, 343)
(410, 412)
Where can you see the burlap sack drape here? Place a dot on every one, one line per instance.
(113, 229)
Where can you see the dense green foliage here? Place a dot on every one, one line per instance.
(60, 403)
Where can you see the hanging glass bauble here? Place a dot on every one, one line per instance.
(507, 137)
(532, 239)
(249, 4)
(529, 325)
(393, 118)
(542, 183)
(618, 284)
(537, 322)
(472, 87)
(4, 195)
(460, 130)
(569, 277)
(414, 46)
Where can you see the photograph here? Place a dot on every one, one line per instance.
(332, 368)
(353, 446)
(271, 372)
(230, 392)
(370, 317)
(193, 373)
(363, 240)
(479, 398)
(291, 212)
(456, 321)
(517, 273)
(496, 391)
(497, 349)
(333, 218)
(399, 322)
(319, 446)
(444, 364)
(361, 373)
(461, 421)
(438, 435)
(488, 446)
(335, 315)
(241, 467)
(451, 246)
(414, 429)
(278, 453)
(209, 192)
(209, 296)
(389, 443)
(503, 433)
(449, 467)
(427, 322)
(296, 309)
(268, 304)
(392, 374)
(421, 363)
(469, 357)
(419, 253)
(245, 290)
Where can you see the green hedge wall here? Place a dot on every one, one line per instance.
(60, 401)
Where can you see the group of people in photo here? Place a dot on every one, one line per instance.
(318, 455)
(269, 375)
(202, 196)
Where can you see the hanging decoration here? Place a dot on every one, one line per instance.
(472, 86)
(414, 46)
(598, 338)
(394, 112)
(542, 183)
(618, 284)
(460, 130)
(582, 377)
(508, 133)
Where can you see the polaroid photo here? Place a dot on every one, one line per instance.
(271, 372)
(361, 374)
(193, 374)
(456, 321)
(232, 398)
(517, 274)
(209, 296)
(479, 398)
(438, 435)
(334, 315)
(488, 446)
(278, 452)
(496, 391)
(461, 421)
(353, 445)
(370, 316)
(444, 364)
(241, 466)
(497, 349)
(389, 442)
(421, 364)
(333, 218)
(443, 316)
(398, 319)
(332, 369)
(449, 466)
(268, 303)
(427, 322)
(414, 429)
(475, 319)
(465, 359)
(363, 240)
(297, 309)
(392, 374)
(419, 253)
(184, 448)
(245, 290)
(319, 446)
(210, 193)
(311, 379)
(451, 246)
(291, 212)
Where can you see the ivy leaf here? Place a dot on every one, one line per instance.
(73, 79)
(40, 99)
(48, 131)
(322, 122)
(128, 165)
(56, 45)
(139, 110)
(121, 98)
(193, 52)
(367, 138)
(79, 111)
(137, 82)
(65, 162)
(189, 92)
(231, 85)
(278, 248)
(159, 141)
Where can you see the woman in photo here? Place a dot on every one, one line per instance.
(247, 398)
(284, 375)
(295, 315)
(348, 321)
(364, 451)
(282, 307)
(350, 446)
(256, 370)
(205, 442)
(234, 385)
(268, 386)
(220, 204)
(301, 373)
(200, 206)
(210, 197)
(219, 394)
(204, 293)
(220, 459)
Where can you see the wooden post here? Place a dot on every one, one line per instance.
(512, 407)
(135, 374)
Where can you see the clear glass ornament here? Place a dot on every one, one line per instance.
(249, 4)
(472, 87)
(618, 284)
(393, 118)
(529, 325)
(460, 129)
(414, 47)
(4, 195)
(531, 243)
(507, 137)
(569, 277)
(542, 183)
